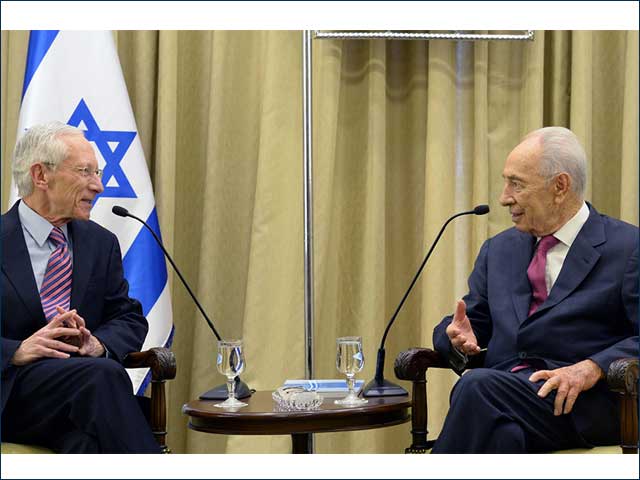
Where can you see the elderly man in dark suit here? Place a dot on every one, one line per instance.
(553, 301)
(67, 319)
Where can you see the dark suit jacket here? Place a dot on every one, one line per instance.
(591, 311)
(99, 293)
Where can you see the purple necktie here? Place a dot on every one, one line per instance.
(56, 285)
(536, 272)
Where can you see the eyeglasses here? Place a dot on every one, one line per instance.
(89, 172)
(84, 171)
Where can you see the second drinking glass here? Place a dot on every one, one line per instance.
(230, 363)
(350, 360)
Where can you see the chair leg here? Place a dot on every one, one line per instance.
(629, 423)
(419, 416)
(162, 363)
(412, 365)
(159, 414)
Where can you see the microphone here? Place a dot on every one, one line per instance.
(217, 393)
(379, 387)
(479, 210)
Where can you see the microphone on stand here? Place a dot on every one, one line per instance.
(217, 393)
(379, 387)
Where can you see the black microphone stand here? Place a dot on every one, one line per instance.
(379, 387)
(220, 392)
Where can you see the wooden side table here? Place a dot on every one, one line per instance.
(261, 417)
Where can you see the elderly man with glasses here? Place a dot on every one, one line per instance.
(67, 319)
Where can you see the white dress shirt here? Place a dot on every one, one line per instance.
(36, 232)
(566, 234)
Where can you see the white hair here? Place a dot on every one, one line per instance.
(40, 143)
(562, 152)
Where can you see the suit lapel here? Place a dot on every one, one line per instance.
(16, 264)
(580, 260)
(520, 287)
(82, 264)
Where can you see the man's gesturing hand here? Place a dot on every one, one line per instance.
(44, 343)
(569, 381)
(460, 332)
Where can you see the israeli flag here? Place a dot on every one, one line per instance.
(75, 77)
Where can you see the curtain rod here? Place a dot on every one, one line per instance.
(529, 35)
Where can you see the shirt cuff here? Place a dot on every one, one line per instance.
(106, 353)
(457, 359)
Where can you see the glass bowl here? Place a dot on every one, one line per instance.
(296, 398)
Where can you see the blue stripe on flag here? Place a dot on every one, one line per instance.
(39, 43)
(144, 266)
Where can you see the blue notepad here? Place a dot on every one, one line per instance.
(324, 386)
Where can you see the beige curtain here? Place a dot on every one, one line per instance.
(406, 133)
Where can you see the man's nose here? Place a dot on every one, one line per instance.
(97, 186)
(505, 198)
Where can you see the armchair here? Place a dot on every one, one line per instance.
(162, 363)
(413, 364)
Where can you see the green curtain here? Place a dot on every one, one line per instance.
(405, 134)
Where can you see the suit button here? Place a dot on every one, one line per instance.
(522, 354)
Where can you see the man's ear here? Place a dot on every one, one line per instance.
(561, 186)
(39, 176)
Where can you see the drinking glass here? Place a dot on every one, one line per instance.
(350, 360)
(230, 363)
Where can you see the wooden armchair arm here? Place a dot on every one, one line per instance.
(622, 378)
(162, 363)
(412, 364)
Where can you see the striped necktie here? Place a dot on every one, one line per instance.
(56, 285)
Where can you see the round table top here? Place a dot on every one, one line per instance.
(261, 416)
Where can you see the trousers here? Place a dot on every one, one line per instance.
(76, 405)
(493, 411)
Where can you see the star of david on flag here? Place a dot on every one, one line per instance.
(75, 77)
(112, 156)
